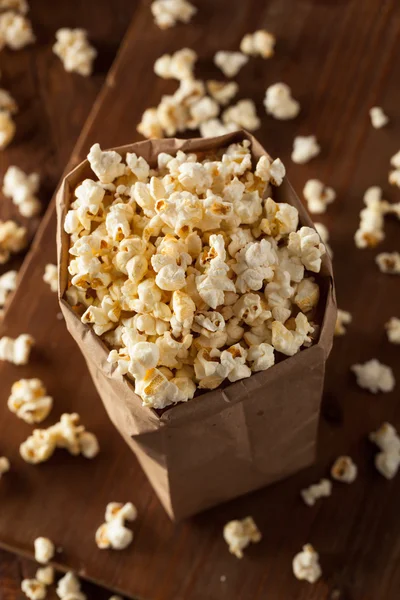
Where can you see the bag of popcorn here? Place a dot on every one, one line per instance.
(202, 299)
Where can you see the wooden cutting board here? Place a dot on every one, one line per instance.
(340, 58)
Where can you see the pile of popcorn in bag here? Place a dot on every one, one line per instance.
(190, 272)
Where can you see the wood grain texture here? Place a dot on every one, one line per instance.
(340, 58)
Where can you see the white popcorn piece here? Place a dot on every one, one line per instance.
(45, 575)
(7, 127)
(8, 284)
(167, 13)
(222, 91)
(69, 588)
(318, 196)
(202, 111)
(178, 66)
(394, 176)
(261, 356)
(260, 43)
(33, 589)
(15, 31)
(393, 330)
(279, 102)
(20, 6)
(343, 318)
(113, 533)
(270, 172)
(243, 115)
(107, 165)
(314, 492)
(304, 149)
(230, 63)
(22, 189)
(12, 239)
(4, 465)
(323, 233)
(16, 350)
(215, 128)
(387, 461)
(29, 402)
(344, 470)
(374, 376)
(378, 117)
(150, 126)
(370, 231)
(306, 565)
(388, 262)
(305, 244)
(289, 341)
(44, 550)
(239, 534)
(50, 276)
(75, 51)
(307, 294)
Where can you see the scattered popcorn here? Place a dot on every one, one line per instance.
(393, 330)
(7, 127)
(8, 284)
(22, 189)
(222, 91)
(374, 376)
(243, 115)
(323, 489)
(44, 550)
(167, 13)
(29, 402)
(259, 43)
(370, 231)
(230, 63)
(394, 176)
(51, 277)
(344, 470)
(16, 350)
(378, 117)
(69, 588)
(12, 238)
(33, 589)
(214, 128)
(15, 31)
(318, 196)
(389, 262)
(387, 461)
(4, 465)
(279, 103)
(75, 51)
(20, 6)
(306, 565)
(304, 149)
(113, 533)
(45, 575)
(342, 318)
(176, 66)
(239, 534)
(323, 233)
(67, 433)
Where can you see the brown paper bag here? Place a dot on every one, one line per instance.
(229, 441)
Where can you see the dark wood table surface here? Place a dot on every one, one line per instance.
(340, 58)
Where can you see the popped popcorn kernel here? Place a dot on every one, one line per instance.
(323, 489)
(243, 114)
(8, 284)
(394, 176)
(29, 402)
(344, 469)
(15, 31)
(306, 565)
(22, 189)
(69, 588)
(393, 330)
(370, 231)
(260, 43)
(378, 117)
(75, 51)
(107, 165)
(318, 196)
(7, 128)
(44, 550)
(50, 276)
(343, 318)
(239, 534)
(215, 128)
(16, 350)
(167, 13)
(230, 63)
(113, 533)
(12, 237)
(222, 91)
(279, 102)
(388, 262)
(374, 376)
(304, 149)
(33, 589)
(150, 126)
(45, 575)
(387, 461)
(4, 465)
(178, 66)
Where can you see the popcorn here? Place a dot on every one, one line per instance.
(388, 262)
(15, 31)
(235, 358)
(305, 244)
(7, 127)
(75, 51)
(22, 189)
(289, 341)
(202, 111)
(306, 565)
(44, 550)
(343, 318)
(374, 376)
(394, 176)
(393, 330)
(261, 356)
(378, 117)
(8, 284)
(214, 128)
(279, 103)
(106, 165)
(33, 589)
(370, 231)
(67, 433)
(167, 13)
(51, 276)
(4, 465)
(113, 533)
(323, 233)
(12, 239)
(387, 461)
(222, 91)
(16, 350)
(45, 575)
(239, 534)
(29, 402)
(20, 6)
(304, 149)
(344, 469)
(323, 489)
(150, 126)
(271, 172)
(318, 196)
(69, 588)
(307, 295)
(260, 43)
(243, 115)
(176, 66)
(230, 63)
(7, 102)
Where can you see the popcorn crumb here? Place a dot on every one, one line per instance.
(16, 350)
(323, 489)
(304, 149)
(167, 13)
(222, 91)
(113, 533)
(22, 189)
(344, 469)
(12, 237)
(374, 376)
(318, 196)
(69, 588)
(393, 330)
(75, 51)
(230, 63)
(378, 117)
(260, 43)
(4, 465)
(15, 31)
(342, 318)
(370, 231)
(387, 461)
(388, 262)
(44, 550)
(51, 276)
(7, 128)
(45, 575)
(239, 534)
(8, 284)
(306, 565)
(29, 402)
(33, 589)
(394, 176)
(178, 66)
(243, 115)
(280, 104)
